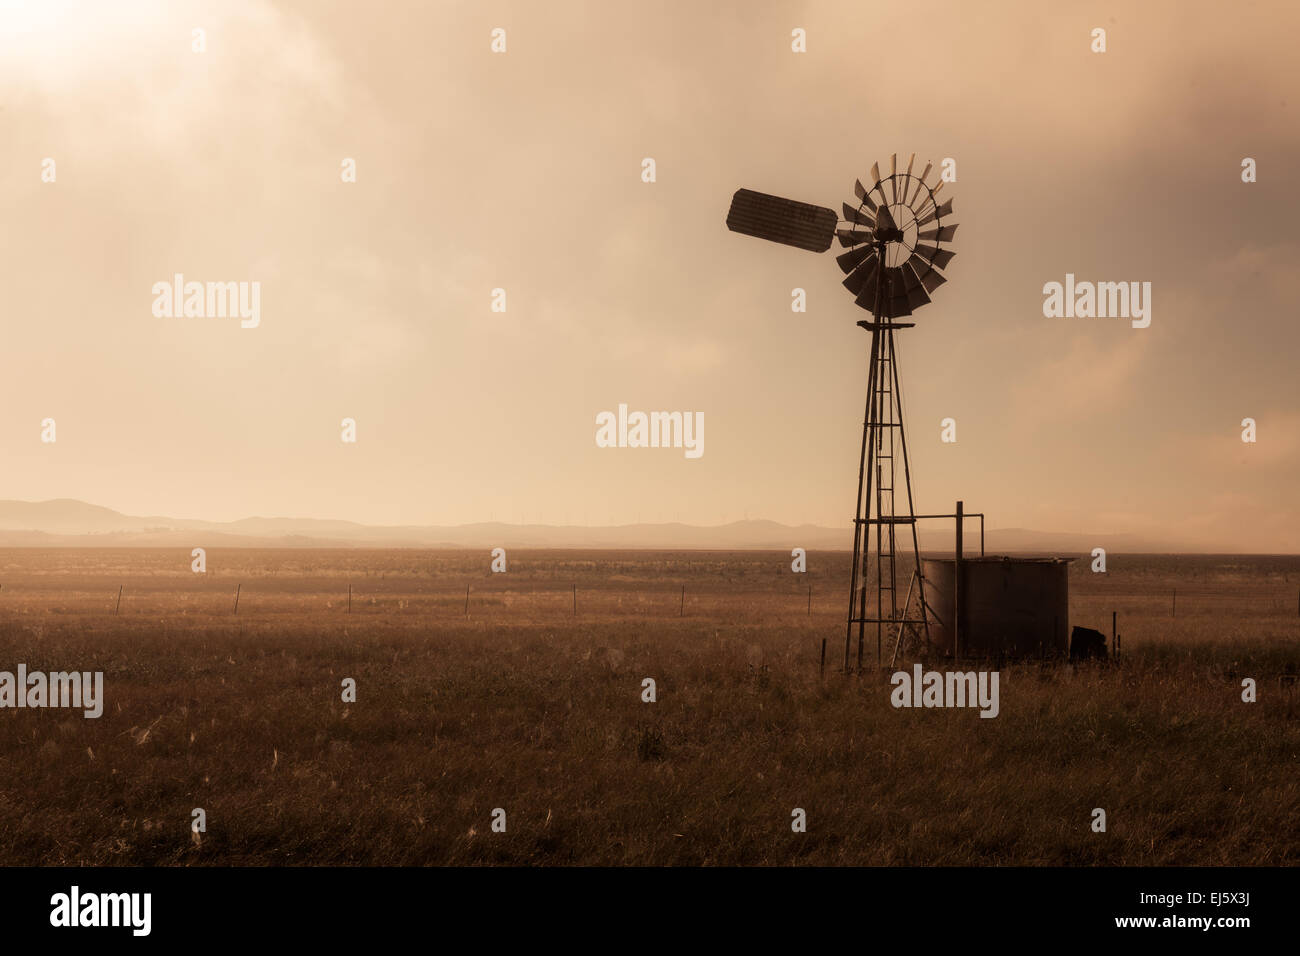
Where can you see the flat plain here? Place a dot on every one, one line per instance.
(528, 696)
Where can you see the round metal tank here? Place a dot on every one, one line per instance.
(1010, 607)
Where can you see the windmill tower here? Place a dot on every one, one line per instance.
(894, 235)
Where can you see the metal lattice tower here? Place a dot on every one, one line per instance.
(878, 514)
(891, 273)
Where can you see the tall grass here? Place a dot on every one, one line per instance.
(526, 707)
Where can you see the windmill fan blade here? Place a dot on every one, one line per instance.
(924, 173)
(851, 237)
(786, 221)
(942, 258)
(910, 279)
(938, 258)
(940, 233)
(867, 295)
(853, 215)
(895, 301)
(853, 258)
(907, 178)
(938, 213)
(898, 307)
(863, 276)
(861, 192)
(896, 287)
(884, 220)
(931, 279)
(875, 172)
(917, 297)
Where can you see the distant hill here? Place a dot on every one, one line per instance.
(66, 522)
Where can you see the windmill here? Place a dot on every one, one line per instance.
(894, 235)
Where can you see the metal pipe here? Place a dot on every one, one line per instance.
(956, 590)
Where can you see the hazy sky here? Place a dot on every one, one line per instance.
(522, 171)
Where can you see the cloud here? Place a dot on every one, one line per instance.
(1091, 379)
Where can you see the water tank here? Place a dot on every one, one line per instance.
(1010, 607)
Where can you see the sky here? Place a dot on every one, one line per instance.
(522, 171)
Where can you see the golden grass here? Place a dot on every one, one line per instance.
(526, 707)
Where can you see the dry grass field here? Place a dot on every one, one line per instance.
(525, 705)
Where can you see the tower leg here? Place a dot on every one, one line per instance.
(858, 574)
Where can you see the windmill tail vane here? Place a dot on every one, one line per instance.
(894, 233)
